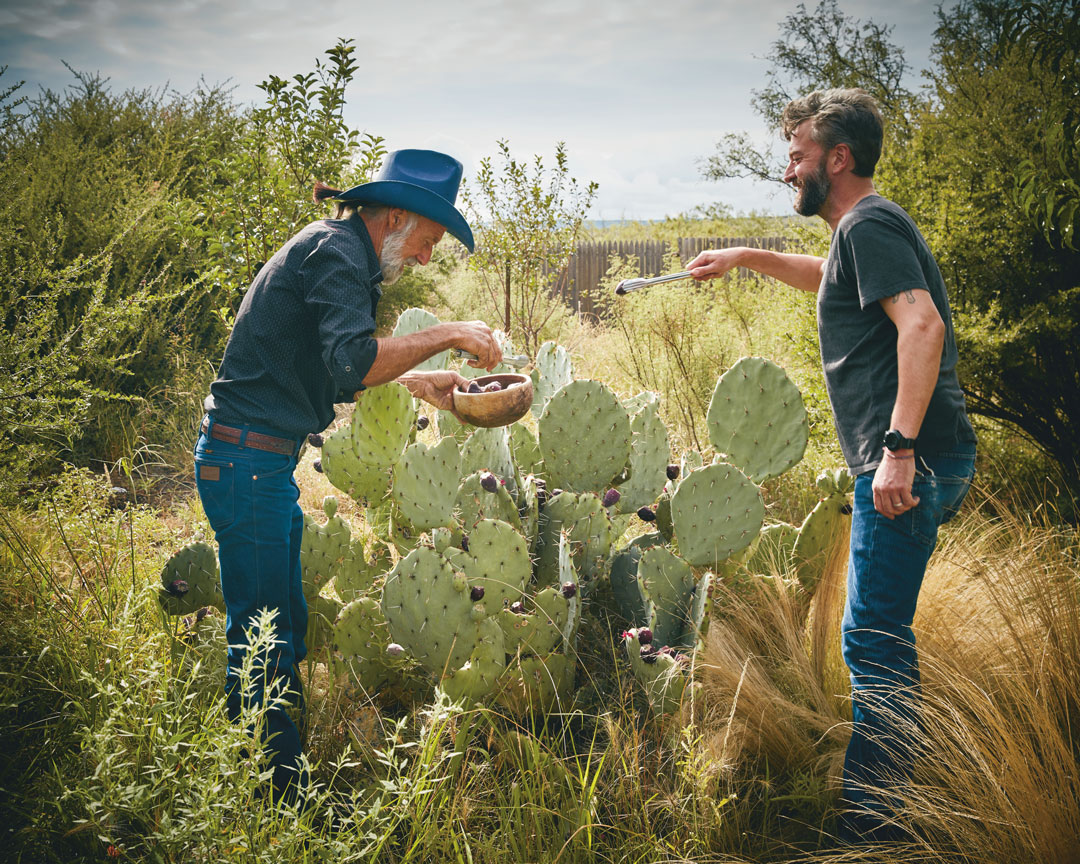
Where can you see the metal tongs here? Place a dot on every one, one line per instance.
(628, 285)
(518, 362)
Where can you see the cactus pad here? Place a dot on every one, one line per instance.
(757, 418)
(190, 581)
(553, 372)
(584, 437)
(716, 512)
(426, 483)
(323, 548)
(649, 455)
(414, 320)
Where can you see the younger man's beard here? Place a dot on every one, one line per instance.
(390, 259)
(812, 192)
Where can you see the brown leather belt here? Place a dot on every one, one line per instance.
(232, 435)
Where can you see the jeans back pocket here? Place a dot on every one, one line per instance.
(216, 482)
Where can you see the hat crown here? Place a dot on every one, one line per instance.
(429, 169)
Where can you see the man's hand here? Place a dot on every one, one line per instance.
(477, 338)
(435, 387)
(714, 263)
(892, 486)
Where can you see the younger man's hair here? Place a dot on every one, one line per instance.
(840, 116)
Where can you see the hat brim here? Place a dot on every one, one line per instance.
(415, 199)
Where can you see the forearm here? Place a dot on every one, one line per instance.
(398, 355)
(918, 357)
(800, 271)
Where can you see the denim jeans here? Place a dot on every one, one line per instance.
(885, 572)
(250, 499)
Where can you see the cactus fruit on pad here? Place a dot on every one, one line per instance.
(430, 612)
(488, 449)
(716, 512)
(668, 584)
(663, 678)
(426, 483)
(757, 418)
(473, 503)
(190, 581)
(323, 548)
(649, 455)
(584, 437)
(413, 320)
(497, 561)
(542, 630)
(553, 371)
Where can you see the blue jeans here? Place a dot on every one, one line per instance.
(885, 572)
(250, 499)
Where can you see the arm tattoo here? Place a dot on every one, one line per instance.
(908, 292)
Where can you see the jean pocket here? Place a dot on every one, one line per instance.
(216, 482)
(939, 499)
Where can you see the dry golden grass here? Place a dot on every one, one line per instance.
(998, 628)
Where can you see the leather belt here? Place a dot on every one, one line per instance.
(232, 435)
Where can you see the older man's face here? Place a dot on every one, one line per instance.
(409, 245)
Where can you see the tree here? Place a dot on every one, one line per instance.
(816, 50)
(531, 218)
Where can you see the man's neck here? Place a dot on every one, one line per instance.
(377, 230)
(843, 196)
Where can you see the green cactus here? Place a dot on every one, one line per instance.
(481, 672)
(823, 533)
(343, 468)
(360, 639)
(667, 583)
(716, 512)
(190, 581)
(757, 418)
(413, 320)
(360, 569)
(538, 685)
(426, 484)
(497, 561)
(489, 450)
(584, 437)
(525, 450)
(649, 456)
(772, 554)
(449, 425)
(474, 502)
(590, 531)
(323, 548)
(553, 371)
(663, 677)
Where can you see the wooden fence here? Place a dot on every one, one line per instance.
(585, 274)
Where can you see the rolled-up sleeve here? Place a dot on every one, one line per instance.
(339, 291)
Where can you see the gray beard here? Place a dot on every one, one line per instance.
(391, 259)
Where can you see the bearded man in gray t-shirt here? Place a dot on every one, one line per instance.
(889, 357)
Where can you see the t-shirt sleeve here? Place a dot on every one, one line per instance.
(883, 261)
(337, 289)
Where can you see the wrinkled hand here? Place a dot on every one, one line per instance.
(892, 487)
(713, 263)
(435, 387)
(477, 338)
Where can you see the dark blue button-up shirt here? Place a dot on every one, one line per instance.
(303, 337)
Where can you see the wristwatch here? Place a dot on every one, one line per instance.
(895, 440)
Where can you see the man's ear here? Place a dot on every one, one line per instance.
(395, 218)
(840, 158)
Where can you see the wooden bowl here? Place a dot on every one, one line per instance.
(495, 409)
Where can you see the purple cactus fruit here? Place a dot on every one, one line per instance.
(464, 542)
(477, 593)
(178, 588)
(556, 492)
(422, 423)
(611, 497)
(569, 589)
(646, 514)
(202, 613)
(682, 659)
(394, 650)
(315, 439)
(648, 653)
(672, 472)
(489, 482)
(644, 636)
(492, 387)
(317, 465)
(667, 650)
(845, 509)
(474, 387)
(517, 607)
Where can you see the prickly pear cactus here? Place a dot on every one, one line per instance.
(525, 450)
(323, 548)
(663, 676)
(489, 450)
(553, 371)
(426, 482)
(414, 320)
(480, 674)
(482, 496)
(824, 533)
(190, 580)
(345, 471)
(497, 561)
(649, 456)
(584, 437)
(716, 512)
(757, 419)
(585, 520)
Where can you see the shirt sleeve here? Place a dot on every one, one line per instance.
(883, 261)
(338, 291)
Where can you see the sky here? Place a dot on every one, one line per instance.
(640, 91)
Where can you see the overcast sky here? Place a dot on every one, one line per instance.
(640, 90)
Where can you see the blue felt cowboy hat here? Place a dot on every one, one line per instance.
(420, 181)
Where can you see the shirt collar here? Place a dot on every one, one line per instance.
(357, 225)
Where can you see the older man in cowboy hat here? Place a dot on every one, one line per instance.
(303, 340)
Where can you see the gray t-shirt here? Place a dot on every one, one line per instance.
(877, 252)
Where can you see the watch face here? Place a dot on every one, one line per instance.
(894, 440)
